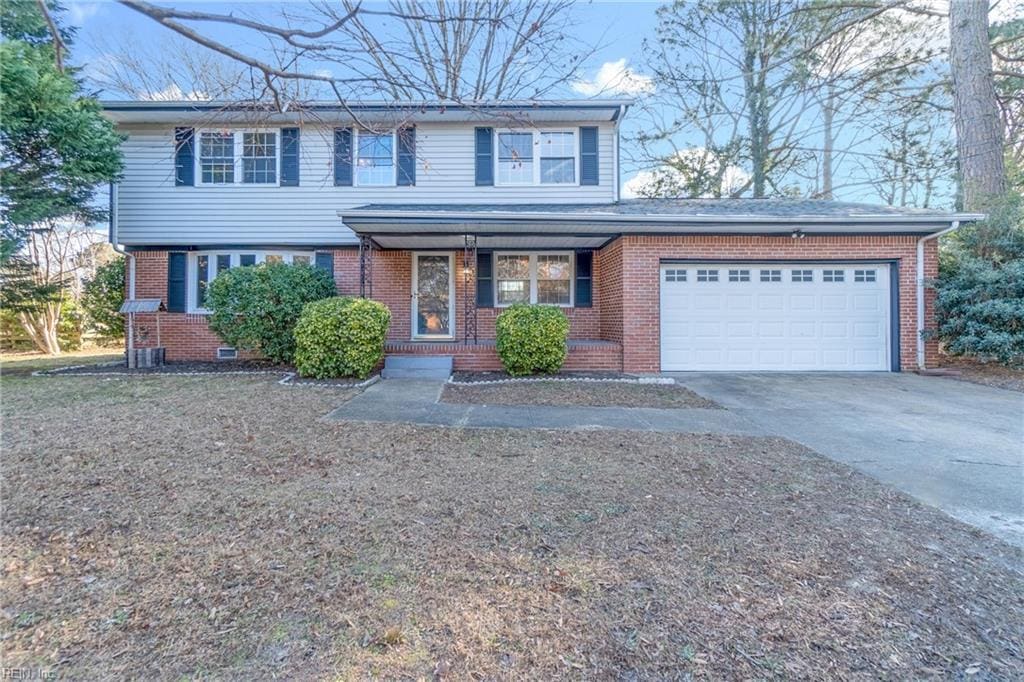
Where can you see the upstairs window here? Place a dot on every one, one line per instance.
(515, 158)
(557, 158)
(540, 157)
(259, 158)
(217, 158)
(375, 159)
(247, 157)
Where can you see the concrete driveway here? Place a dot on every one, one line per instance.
(954, 445)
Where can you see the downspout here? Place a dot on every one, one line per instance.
(920, 287)
(130, 259)
(615, 153)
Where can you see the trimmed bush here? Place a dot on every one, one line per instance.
(256, 307)
(102, 296)
(341, 337)
(532, 338)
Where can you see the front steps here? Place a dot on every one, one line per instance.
(417, 367)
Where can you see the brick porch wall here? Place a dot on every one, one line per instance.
(187, 336)
(642, 256)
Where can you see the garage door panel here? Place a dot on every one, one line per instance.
(776, 317)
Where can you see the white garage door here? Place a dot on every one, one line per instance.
(773, 317)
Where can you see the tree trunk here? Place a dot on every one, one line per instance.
(979, 128)
(41, 327)
(829, 143)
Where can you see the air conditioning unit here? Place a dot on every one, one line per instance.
(147, 357)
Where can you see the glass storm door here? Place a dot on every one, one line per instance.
(432, 296)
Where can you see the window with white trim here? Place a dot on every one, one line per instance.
(259, 158)
(557, 158)
(515, 158)
(538, 157)
(238, 157)
(803, 276)
(204, 266)
(863, 275)
(533, 278)
(217, 158)
(832, 275)
(739, 275)
(375, 164)
(771, 275)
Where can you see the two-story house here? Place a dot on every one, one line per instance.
(449, 212)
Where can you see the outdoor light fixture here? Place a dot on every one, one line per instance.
(797, 234)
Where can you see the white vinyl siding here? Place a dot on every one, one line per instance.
(151, 210)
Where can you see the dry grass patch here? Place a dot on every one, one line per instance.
(216, 527)
(579, 393)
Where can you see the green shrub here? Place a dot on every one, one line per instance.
(256, 307)
(102, 297)
(341, 337)
(979, 304)
(532, 338)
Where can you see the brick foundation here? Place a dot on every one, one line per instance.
(625, 315)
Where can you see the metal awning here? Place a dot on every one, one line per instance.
(142, 305)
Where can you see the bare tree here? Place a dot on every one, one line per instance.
(40, 279)
(451, 49)
(979, 128)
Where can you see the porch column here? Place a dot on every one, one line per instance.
(469, 288)
(365, 266)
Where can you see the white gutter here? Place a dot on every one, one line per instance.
(131, 270)
(955, 224)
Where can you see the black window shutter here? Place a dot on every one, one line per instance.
(484, 156)
(406, 157)
(589, 169)
(584, 279)
(289, 157)
(176, 281)
(325, 261)
(484, 279)
(184, 156)
(343, 157)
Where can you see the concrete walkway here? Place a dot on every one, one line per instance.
(417, 402)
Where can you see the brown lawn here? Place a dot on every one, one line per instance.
(217, 527)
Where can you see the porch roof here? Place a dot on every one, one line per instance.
(589, 225)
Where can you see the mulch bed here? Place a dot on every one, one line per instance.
(464, 377)
(216, 527)
(987, 373)
(181, 368)
(224, 367)
(579, 393)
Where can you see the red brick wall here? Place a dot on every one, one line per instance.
(626, 294)
(187, 337)
(642, 255)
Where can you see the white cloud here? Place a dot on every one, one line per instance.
(172, 93)
(80, 12)
(615, 78)
(670, 181)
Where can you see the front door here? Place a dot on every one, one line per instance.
(432, 296)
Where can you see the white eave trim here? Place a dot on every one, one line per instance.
(424, 221)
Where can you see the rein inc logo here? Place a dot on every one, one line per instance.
(8, 673)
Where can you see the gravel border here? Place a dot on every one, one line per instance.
(501, 378)
(290, 378)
